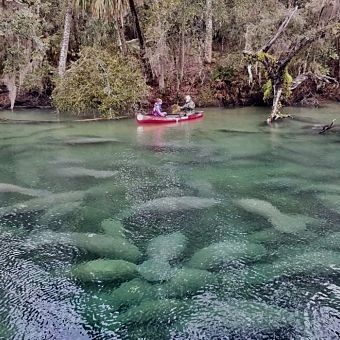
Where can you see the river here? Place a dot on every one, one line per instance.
(222, 228)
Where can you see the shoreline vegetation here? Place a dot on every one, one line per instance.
(109, 59)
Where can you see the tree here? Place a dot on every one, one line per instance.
(100, 82)
(279, 79)
(66, 38)
(209, 32)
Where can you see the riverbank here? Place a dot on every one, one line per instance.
(237, 93)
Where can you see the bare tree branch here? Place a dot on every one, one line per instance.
(281, 29)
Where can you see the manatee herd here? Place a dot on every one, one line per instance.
(166, 280)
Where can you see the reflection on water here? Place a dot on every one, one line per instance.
(218, 229)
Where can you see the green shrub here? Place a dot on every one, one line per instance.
(100, 83)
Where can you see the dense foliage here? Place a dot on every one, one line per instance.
(183, 46)
(102, 82)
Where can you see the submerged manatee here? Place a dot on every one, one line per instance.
(156, 270)
(310, 262)
(132, 293)
(284, 223)
(159, 311)
(74, 172)
(167, 247)
(331, 201)
(43, 203)
(58, 211)
(188, 281)
(97, 244)
(214, 317)
(89, 141)
(113, 228)
(6, 187)
(332, 241)
(176, 204)
(105, 271)
(217, 254)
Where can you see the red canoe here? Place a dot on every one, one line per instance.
(149, 119)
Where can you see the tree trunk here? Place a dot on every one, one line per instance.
(137, 24)
(121, 41)
(275, 113)
(182, 55)
(146, 64)
(209, 32)
(66, 39)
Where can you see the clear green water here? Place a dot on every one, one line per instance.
(263, 204)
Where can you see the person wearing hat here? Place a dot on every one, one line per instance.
(189, 105)
(157, 109)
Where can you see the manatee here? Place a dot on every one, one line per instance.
(6, 187)
(188, 281)
(113, 228)
(132, 293)
(97, 244)
(167, 247)
(308, 262)
(211, 317)
(331, 201)
(105, 271)
(58, 211)
(159, 311)
(73, 172)
(217, 254)
(176, 204)
(274, 236)
(42, 203)
(155, 270)
(285, 223)
(89, 140)
(332, 241)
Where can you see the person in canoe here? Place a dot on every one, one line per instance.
(189, 106)
(157, 109)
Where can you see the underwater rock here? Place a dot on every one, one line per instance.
(242, 316)
(308, 262)
(284, 223)
(74, 172)
(176, 204)
(132, 293)
(160, 311)
(156, 270)
(6, 187)
(218, 254)
(167, 247)
(97, 244)
(113, 228)
(105, 271)
(89, 141)
(188, 281)
(43, 203)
